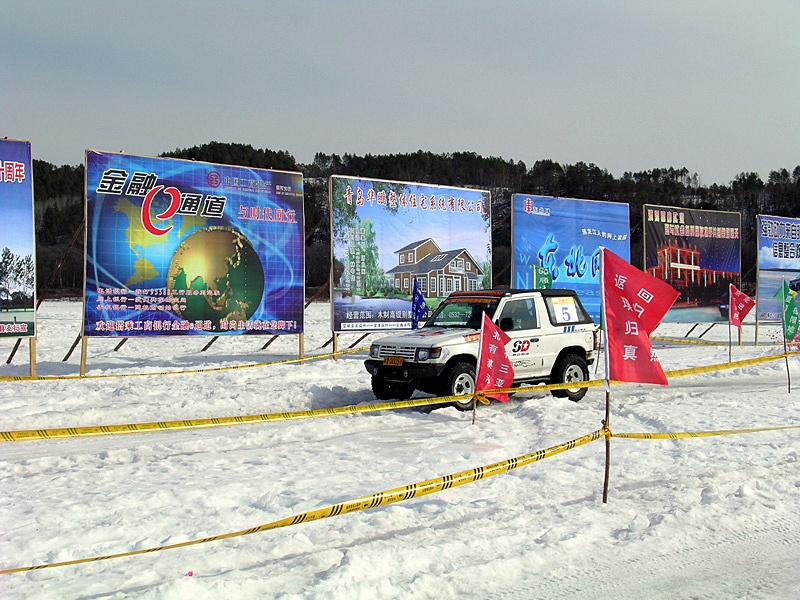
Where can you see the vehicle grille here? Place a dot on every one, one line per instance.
(404, 351)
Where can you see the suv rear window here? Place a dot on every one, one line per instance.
(566, 310)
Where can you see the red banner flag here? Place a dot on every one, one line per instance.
(739, 304)
(634, 304)
(494, 367)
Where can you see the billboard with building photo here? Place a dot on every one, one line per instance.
(778, 261)
(565, 235)
(385, 234)
(179, 247)
(698, 252)
(17, 241)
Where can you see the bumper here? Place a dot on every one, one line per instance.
(414, 373)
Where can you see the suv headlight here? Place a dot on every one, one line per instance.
(424, 354)
(374, 351)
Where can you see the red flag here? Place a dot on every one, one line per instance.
(739, 304)
(494, 367)
(634, 304)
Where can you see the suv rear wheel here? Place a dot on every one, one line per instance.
(460, 380)
(570, 368)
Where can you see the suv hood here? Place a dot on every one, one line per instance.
(428, 336)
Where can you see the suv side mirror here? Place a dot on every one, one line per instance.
(506, 324)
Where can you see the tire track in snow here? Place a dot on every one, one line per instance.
(761, 562)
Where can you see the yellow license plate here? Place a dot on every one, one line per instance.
(392, 361)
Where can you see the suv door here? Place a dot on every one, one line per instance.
(519, 320)
(563, 313)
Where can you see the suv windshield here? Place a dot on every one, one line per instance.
(462, 312)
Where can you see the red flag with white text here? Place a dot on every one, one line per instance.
(634, 304)
(739, 304)
(494, 367)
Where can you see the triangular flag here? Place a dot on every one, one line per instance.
(494, 367)
(791, 319)
(739, 304)
(419, 308)
(634, 304)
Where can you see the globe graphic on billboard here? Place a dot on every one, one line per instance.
(219, 273)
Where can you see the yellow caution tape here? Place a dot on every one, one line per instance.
(737, 364)
(100, 430)
(696, 434)
(688, 341)
(288, 361)
(414, 490)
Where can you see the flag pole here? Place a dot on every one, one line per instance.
(730, 314)
(607, 420)
(783, 335)
(477, 374)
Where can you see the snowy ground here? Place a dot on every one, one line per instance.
(698, 518)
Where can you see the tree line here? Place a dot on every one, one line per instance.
(59, 194)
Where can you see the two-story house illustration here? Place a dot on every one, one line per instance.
(438, 272)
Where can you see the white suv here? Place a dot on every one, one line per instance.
(553, 339)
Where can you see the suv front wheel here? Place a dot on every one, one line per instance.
(460, 380)
(570, 368)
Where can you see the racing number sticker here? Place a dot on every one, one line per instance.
(565, 311)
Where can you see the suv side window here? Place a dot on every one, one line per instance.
(522, 314)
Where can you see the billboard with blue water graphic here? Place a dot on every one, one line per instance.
(565, 235)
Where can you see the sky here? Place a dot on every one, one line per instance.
(712, 86)
(709, 518)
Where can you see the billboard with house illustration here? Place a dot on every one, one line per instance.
(385, 234)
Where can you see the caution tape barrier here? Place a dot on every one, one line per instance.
(401, 494)
(101, 430)
(287, 361)
(696, 434)
(414, 490)
(688, 342)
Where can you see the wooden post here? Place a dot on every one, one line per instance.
(272, 339)
(335, 339)
(72, 349)
(14, 351)
(358, 340)
(607, 424)
(301, 349)
(730, 343)
(707, 330)
(33, 356)
(785, 348)
(84, 352)
(208, 345)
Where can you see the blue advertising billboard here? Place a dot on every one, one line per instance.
(564, 235)
(17, 241)
(386, 234)
(178, 247)
(778, 261)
